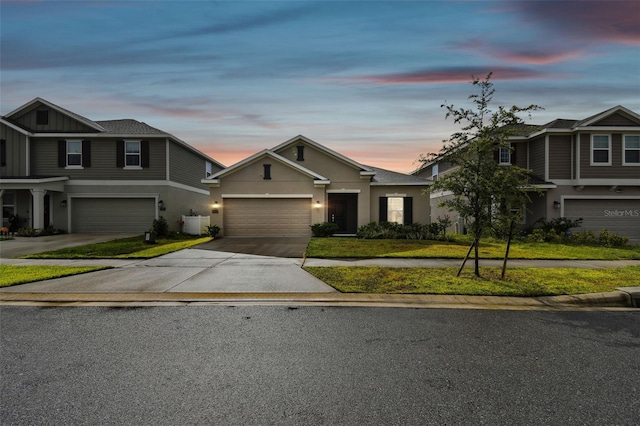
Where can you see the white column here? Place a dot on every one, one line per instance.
(38, 207)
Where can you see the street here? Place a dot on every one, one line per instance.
(313, 365)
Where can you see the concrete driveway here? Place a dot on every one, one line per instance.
(186, 271)
(21, 246)
(291, 247)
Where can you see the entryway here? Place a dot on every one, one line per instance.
(343, 211)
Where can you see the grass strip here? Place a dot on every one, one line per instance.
(18, 274)
(489, 249)
(529, 282)
(124, 248)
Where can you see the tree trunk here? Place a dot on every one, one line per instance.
(506, 253)
(476, 268)
(466, 257)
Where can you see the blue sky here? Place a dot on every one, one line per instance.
(366, 79)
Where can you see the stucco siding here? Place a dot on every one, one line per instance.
(321, 162)
(16, 152)
(44, 156)
(559, 157)
(421, 206)
(57, 122)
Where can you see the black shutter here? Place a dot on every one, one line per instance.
(300, 152)
(407, 210)
(62, 153)
(382, 216)
(513, 153)
(496, 155)
(120, 154)
(86, 153)
(267, 171)
(3, 152)
(144, 154)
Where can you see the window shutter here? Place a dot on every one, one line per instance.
(3, 152)
(62, 153)
(513, 153)
(86, 153)
(120, 154)
(382, 216)
(407, 210)
(496, 155)
(144, 154)
(266, 172)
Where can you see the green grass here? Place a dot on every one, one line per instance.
(528, 282)
(13, 274)
(125, 248)
(489, 249)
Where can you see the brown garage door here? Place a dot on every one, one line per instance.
(267, 217)
(618, 216)
(104, 215)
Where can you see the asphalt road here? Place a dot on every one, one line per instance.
(311, 365)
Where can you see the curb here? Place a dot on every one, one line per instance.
(616, 299)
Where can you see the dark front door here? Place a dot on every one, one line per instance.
(47, 215)
(343, 211)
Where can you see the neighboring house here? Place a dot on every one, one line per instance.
(587, 169)
(60, 169)
(284, 190)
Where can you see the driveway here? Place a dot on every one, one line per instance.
(21, 246)
(290, 247)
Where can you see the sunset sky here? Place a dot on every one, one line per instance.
(366, 79)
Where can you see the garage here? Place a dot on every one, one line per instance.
(267, 217)
(619, 216)
(105, 215)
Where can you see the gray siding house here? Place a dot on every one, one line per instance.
(60, 169)
(587, 169)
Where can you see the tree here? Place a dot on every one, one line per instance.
(486, 194)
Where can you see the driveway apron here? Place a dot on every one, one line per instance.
(290, 247)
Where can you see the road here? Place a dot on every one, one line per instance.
(312, 365)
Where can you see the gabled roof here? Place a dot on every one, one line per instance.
(388, 177)
(364, 170)
(268, 153)
(77, 117)
(597, 117)
(129, 127)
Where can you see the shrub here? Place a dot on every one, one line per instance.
(323, 229)
(213, 230)
(397, 231)
(27, 232)
(160, 227)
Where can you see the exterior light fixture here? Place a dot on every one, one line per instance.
(317, 205)
(63, 203)
(556, 205)
(161, 206)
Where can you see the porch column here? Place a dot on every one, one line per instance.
(38, 207)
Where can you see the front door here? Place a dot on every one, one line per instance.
(343, 211)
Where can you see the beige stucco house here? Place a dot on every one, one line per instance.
(284, 190)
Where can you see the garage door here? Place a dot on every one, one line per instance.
(618, 216)
(267, 217)
(98, 215)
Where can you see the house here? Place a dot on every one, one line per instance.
(587, 169)
(284, 190)
(60, 169)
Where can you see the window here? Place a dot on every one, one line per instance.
(267, 171)
(434, 172)
(395, 209)
(504, 155)
(3, 152)
(74, 153)
(208, 169)
(300, 151)
(600, 150)
(631, 150)
(132, 154)
(42, 118)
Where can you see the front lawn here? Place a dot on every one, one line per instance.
(124, 248)
(529, 282)
(14, 274)
(489, 249)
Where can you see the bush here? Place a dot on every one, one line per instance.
(213, 230)
(397, 231)
(323, 229)
(27, 232)
(160, 227)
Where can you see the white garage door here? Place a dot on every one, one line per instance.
(267, 217)
(98, 215)
(621, 217)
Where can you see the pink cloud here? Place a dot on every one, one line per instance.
(448, 75)
(537, 57)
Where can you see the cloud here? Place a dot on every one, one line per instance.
(605, 21)
(449, 75)
(516, 54)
